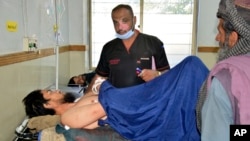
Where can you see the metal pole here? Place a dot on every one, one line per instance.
(57, 46)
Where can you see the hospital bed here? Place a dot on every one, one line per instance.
(59, 133)
(24, 133)
(48, 132)
(167, 115)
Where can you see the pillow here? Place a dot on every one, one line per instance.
(39, 123)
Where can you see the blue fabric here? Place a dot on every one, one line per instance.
(160, 110)
(39, 136)
(99, 134)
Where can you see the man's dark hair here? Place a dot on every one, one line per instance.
(69, 97)
(87, 77)
(33, 103)
(72, 83)
(128, 7)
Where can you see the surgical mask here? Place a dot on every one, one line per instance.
(126, 35)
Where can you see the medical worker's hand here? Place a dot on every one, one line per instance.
(147, 74)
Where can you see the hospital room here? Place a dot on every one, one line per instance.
(44, 43)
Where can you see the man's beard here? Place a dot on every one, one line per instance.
(223, 51)
(69, 98)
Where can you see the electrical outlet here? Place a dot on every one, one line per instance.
(29, 44)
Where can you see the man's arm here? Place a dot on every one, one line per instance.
(89, 91)
(84, 114)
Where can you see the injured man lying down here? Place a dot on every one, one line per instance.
(161, 109)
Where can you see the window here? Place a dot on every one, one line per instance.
(169, 20)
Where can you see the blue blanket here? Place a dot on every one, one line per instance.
(160, 110)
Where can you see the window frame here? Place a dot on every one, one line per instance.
(193, 50)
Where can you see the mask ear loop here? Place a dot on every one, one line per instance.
(133, 26)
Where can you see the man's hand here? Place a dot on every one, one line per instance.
(147, 74)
